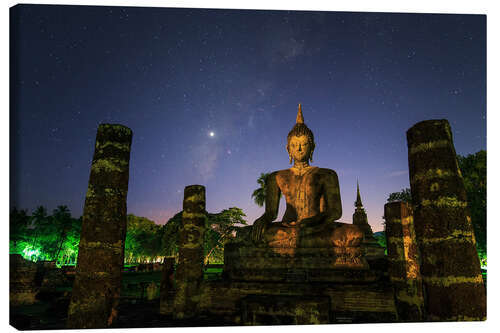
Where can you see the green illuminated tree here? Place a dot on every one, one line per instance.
(39, 220)
(18, 228)
(62, 220)
(170, 237)
(143, 241)
(220, 228)
(69, 251)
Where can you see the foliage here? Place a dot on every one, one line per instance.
(44, 237)
(18, 226)
(403, 195)
(69, 250)
(62, 222)
(147, 241)
(220, 228)
(259, 195)
(143, 242)
(170, 239)
(381, 240)
(380, 237)
(56, 237)
(473, 169)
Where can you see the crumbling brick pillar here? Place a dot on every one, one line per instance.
(404, 266)
(98, 277)
(450, 267)
(189, 273)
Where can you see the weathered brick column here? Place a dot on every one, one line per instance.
(189, 274)
(450, 266)
(167, 285)
(98, 278)
(404, 266)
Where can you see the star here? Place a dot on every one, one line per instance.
(211, 134)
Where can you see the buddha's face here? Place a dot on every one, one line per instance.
(300, 148)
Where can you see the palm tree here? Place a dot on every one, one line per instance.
(39, 219)
(19, 221)
(62, 218)
(259, 195)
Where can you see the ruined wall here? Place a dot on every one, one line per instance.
(22, 287)
(404, 265)
(167, 285)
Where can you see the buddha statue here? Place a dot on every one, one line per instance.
(313, 203)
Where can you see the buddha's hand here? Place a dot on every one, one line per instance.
(289, 224)
(258, 229)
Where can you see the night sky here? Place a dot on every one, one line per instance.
(176, 75)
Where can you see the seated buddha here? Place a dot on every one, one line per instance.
(313, 203)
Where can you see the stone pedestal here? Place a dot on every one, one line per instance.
(247, 263)
(265, 285)
(279, 284)
(96, 290)
(189, 274)
(450, 266)
(283, 310)
(404, 265)
(256, 303)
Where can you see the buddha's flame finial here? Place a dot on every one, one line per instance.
(300, 117)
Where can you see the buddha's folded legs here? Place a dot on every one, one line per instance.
(324, 235)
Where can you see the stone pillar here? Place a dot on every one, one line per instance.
(189, 274)
(450, 267)
(98, 277)
(167, 285)
(404, 266)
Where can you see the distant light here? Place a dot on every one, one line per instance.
(211, 134)
(29, 252)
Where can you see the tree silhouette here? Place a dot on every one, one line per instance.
(220, 228)
(38, 221)
(473, 169)
(62, 220)
(259, 195)
(403, 195)
(18, 224)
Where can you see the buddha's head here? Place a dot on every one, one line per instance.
(300, 141)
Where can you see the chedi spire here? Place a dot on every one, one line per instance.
(358, 204)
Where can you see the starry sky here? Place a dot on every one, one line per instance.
(211, 95)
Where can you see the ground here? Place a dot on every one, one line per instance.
(135, 310)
